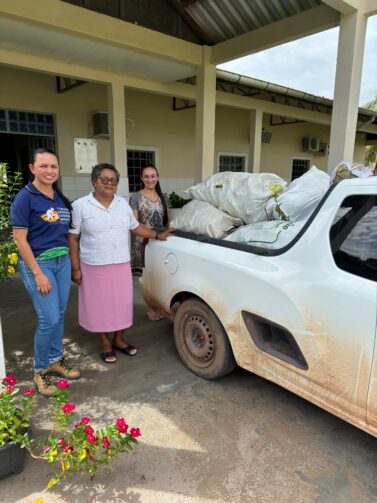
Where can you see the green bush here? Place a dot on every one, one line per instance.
(9, 186)
(176, 201)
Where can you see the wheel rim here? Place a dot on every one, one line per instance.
(199, 341)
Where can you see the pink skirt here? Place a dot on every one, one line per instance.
(106, 297)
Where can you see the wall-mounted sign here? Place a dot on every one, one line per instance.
(85, 154)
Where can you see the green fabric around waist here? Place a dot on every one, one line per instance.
(59, 251)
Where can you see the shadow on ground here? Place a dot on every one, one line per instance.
(239, 439)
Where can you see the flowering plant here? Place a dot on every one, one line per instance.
(14, 413)
(73, 449)
(9, 186)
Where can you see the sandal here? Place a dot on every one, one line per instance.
(109, 354)
(128, 350)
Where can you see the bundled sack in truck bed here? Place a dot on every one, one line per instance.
(272, 235)
(200, 217)
(345, 170)
(242, 195)
(299, 200)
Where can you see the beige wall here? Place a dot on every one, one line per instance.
(156, 125)
(37, 92)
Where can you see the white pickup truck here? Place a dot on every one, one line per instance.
(303, 316)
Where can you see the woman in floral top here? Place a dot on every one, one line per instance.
(150, 208)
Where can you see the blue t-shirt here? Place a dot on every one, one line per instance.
(47, 220)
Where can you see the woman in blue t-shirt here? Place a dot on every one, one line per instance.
(41, 217)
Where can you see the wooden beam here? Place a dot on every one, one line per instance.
(306, 23)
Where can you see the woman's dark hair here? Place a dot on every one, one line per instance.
(159, 192)
(98, 168)
(55, 186)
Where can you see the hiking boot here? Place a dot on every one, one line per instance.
(62, 369)
(44, 384)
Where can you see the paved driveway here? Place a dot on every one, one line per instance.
(239, 439)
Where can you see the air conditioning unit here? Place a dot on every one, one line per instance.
(323, 148)
(100, 124)
(310, 144)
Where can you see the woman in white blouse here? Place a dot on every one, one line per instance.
(101, 260)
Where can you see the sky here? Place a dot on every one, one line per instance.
(309, 64)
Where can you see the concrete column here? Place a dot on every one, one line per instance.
(205, 117)
(255, 140)
(347, 87)
(117, 131)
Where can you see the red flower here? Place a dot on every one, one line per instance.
(46, 450)
(85, 420)
(29, 392)
(68, 407)
(89, 430)
(135, 432)
(121, 424)
(9, 388)
(91, 439)
(61, 442)
(106, 443)
(10, 379)
(62, 384)
(68, 448)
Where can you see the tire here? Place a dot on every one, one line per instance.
(201, 340)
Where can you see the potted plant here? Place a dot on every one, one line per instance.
(74, 445)
(14, 426)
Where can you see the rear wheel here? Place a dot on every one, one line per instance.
(201, 341)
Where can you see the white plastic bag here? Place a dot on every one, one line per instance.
(346, 170)
(203, 218)
(272, 235)
(242, 195)
(301, 197)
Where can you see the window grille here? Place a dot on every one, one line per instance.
(26, 123)
(299, 167)
(136, 161)
(234, 163)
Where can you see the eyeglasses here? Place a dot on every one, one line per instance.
(151, 177)
(108, 181)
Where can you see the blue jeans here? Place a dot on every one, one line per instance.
(50, 309)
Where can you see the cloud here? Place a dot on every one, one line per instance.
(309, 64)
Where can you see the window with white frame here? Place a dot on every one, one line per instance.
(299, 167)
(231, 162)
(137, 159)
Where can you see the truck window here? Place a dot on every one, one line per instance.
(353, 236)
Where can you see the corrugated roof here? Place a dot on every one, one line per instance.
(225, 19)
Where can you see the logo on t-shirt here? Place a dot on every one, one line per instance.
(51, 215)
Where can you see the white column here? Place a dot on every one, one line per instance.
(117, 130)
(205, 117)
(347, 87)
(255, 140)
